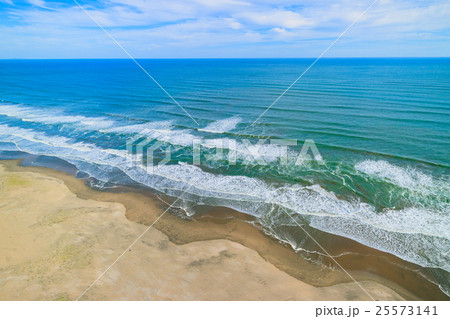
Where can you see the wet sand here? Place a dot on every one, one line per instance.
(57, 236)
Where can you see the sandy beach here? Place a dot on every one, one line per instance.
(57, 236)
(225, 151)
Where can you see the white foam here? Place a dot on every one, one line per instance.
(401, 176)
(187, 138)
(139, 128)
(421, 190)
(414, 234)
(49, 116)
(159, 130)
(222, 126)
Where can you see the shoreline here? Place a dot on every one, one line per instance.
(367, 265)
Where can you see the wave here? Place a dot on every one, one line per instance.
(420, 190)
(403, 177)
(222, 126)
(245, 150)
(414, 234)
(32, 114)
(138, 128)
(164, 131)
(159, 130)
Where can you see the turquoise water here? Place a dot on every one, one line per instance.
(380, 125)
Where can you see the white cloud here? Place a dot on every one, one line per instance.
(151, 27)
(38, 3)
(275, 18)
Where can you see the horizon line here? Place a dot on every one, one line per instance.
(240, 58)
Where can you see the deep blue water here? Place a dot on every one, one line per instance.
(380, 125)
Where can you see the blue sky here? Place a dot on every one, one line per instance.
(223, 28)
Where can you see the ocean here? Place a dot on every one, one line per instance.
(380, 127)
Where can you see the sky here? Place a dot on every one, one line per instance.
(223, 28)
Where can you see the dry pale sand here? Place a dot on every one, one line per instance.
(54, 244)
